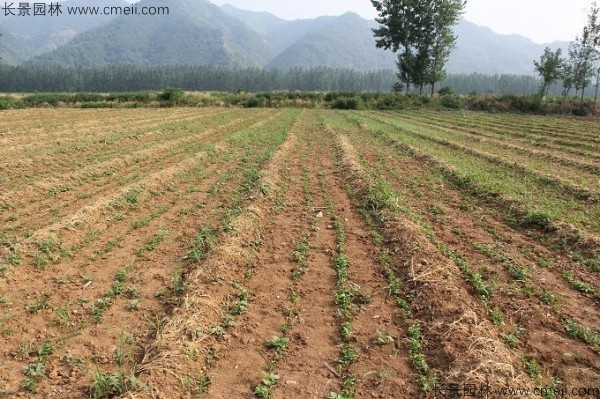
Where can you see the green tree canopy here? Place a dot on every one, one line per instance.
(550, 68)
(421, 32)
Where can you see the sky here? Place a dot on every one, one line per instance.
(543, 21)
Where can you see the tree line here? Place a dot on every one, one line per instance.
(198, 78)
(21, 79)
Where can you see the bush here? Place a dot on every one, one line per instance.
(481, 103)
(528, 104)
(255, 102)
(451, 101)
(537, 219)
(87, 98)
(422, 99)
(140, 96)
(398, 87)
(390, 102)
(95, 104)
(7, 103)
(445, 91)
(39, 100)
(346, 103)
(171, 96)
(580, 111)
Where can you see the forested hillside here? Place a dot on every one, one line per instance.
(196, 32)
(26, 37)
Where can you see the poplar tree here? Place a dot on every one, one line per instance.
(446, 14)
(585, 51)
(550, 68)
(421, 32)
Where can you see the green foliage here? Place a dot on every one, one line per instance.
(99, 307)
(106, 386)
(264, 389)
(445, 91)
(335, 100)
(177, 281)
(347, 103)
(171, 96)
(583, 53)
(579, 285)
(533, 369)
(496, 316)
(580, 111)
(451, 101)
(278, 344)
(7, 102)
(41, 304)
(550, 68)
(422, 34)
(537, 219)
(29, 385)
(154, 241)
(511, 340)
(204, 241)
(348, 355)
(255, 102)
(342, 395)
(34, 369)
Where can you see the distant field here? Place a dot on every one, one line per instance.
(287, 253)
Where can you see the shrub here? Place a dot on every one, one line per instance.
(481, 103)
(579, 111)
(346, 103)
(140, 96)
(171, 96)
(445, 91)
(451, 101)
(95, 105)
(254, 102)
(7, 103)
(422, 99)
(390, 102)
(537, 219)
(38, 100)
(87, 98)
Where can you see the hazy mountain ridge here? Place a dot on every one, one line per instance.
(478, 49)
(199, 33)
(25, 37)
(328, 46)
(195, 32)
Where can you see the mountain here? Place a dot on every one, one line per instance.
(347, 42)
(479, 49)
(278, 32)
(293, 31)
(196, 32)
(25, 37)
(263, 22)
(342, 42)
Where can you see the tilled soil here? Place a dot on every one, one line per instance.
(211, 253)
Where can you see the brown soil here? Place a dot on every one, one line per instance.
(543, 334)
(265, 266)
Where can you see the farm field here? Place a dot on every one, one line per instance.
(298, 253)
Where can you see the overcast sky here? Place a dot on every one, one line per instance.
(542, 21)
